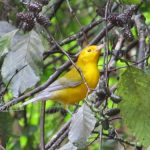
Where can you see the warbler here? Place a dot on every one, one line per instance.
(78, 82)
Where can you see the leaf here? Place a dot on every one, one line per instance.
(5, 42)
(134, 89)
(129, 2)
(68, 146)
(5, 27)
(82, 124)
(147, 69)
(25, 59)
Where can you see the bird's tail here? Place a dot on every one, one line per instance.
(38, 98)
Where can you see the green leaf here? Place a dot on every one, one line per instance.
(129, 2)
(5, 42)
(26, 60)
(134, 89)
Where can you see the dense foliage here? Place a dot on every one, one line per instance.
(38, 39)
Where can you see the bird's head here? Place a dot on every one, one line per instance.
(90, 54)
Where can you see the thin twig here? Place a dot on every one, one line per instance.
(60, 140)
(75, 36)
(101, 34)
(76, 67)
(54, 8)
(2, 148)
(76, 18)
(116, 50)
(51, 79)
(142, 45)
(58, 135)
(17, 71)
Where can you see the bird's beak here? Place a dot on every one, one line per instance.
(99, 47)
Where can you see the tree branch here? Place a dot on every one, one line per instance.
(61, 134)
(73, 37)
(54, 8)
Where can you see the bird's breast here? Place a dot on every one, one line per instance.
(92, 76)
(73, 95)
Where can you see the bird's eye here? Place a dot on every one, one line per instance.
(89, 50)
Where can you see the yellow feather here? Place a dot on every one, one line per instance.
(71, 88)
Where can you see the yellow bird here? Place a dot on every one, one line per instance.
(74, 85)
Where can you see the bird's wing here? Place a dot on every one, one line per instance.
(70, 79)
